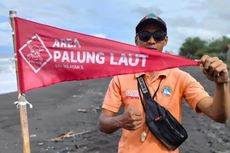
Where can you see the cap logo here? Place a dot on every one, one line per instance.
(153, 16)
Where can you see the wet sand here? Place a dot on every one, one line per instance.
(72, 108)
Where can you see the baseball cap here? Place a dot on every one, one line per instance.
(150, 18)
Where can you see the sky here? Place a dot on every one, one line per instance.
(117, 19)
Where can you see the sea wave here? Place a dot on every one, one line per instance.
(8, 82)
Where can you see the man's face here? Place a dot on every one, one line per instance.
(151, 43)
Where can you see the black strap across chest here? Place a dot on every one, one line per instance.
(142, 88)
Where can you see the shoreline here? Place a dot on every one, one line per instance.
(74, 107)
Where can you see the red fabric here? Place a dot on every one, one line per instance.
(47, 55)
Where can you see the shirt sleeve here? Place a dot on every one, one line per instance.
(194, 92)
(112, 99)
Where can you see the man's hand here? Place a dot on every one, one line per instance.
(131, 119)
(214, 69)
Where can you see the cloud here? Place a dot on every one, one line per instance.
(5, 34)
(203, 18)
(143, 10)
(6, 39)
(182, 21)
(116, 20)
(218, 8)
(202, 33)
(213, 16)
(5, 26)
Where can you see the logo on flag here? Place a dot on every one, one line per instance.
(35, 53)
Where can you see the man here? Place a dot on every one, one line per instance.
(151, 32)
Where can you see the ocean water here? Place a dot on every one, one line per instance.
(8, 82)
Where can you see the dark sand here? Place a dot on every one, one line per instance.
(75, 106)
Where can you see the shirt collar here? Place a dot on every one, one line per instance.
(161, 73)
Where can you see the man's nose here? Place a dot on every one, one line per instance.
(151, 40)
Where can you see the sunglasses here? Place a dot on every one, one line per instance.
(157, 35)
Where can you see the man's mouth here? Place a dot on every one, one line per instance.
(152, 48)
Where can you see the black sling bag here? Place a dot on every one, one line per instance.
(159, 120)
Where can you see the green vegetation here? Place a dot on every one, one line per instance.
(195, 47)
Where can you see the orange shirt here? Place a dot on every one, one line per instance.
(176, 84)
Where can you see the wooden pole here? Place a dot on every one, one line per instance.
(21, 97)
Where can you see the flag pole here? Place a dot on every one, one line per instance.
(21, 103)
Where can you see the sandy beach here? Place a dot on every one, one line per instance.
(64, 119)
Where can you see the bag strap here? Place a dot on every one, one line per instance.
(145, 92)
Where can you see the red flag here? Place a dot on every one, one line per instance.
(47, 55)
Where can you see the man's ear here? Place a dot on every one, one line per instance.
(166, 41)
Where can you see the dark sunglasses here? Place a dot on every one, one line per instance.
(157, 35)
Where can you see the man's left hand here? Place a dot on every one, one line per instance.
(215, 69)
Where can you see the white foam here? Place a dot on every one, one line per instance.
(8, 82)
